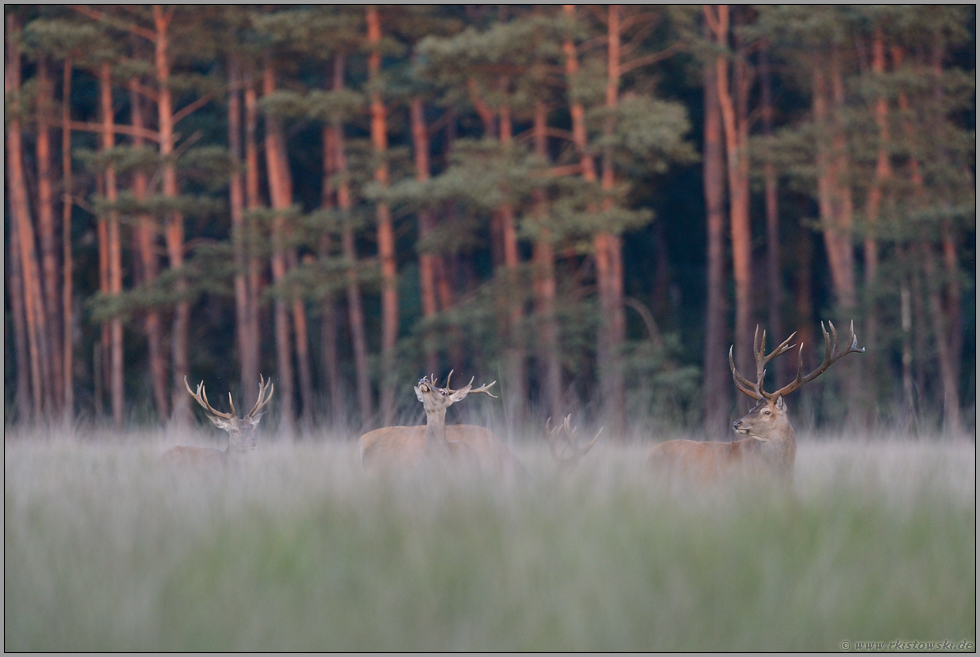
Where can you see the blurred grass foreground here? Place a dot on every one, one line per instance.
(105, 550)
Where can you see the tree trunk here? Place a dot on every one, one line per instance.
(19, 206)
(281, 198)
(716, 375)
(386, 235)
(328, 314)
(46, 234)
(953, 292)
(15, 287)
(773, 271)
(114, 249)
(735, 123)
(544, 282)
(67, 260)
(247, 343)
(180, 406)
(427, 281)
(251, 237)
(354, 309)
(608, 256)
(148, 267)
(515, 368)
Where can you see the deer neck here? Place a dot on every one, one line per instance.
(435, 432)
(779, 449)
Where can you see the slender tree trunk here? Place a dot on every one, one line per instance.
(734, 121)
(114, 249)
(515, 368)
(544, 282)
(149, 268)
(953, 313)
(716, 375)
(386, 234)
(281, 200)
(427, 281)
(328, 316)
(15, 288)
(46, 233)
(773, 271)
(354, 308)
(180, 408)
(251, 237)
(247, 343)
(608, 255)
(68, 365)
(20, 209)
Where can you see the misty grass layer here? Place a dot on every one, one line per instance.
(298, 550)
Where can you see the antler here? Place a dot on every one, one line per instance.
(485, 388)
(832, 355)
(265, 385)
(563, 428)
(754, 390)
(202, 398)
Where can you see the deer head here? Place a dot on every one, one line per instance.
(436, 400)
(768, 416)
(241, 430)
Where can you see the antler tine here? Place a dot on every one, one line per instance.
(201, 397)
(748, 387)
(265, 385)
(485, 389)
(831, 356)
(231, 403)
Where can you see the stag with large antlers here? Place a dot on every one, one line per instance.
(435, 441)
(241, 430)
(771, 444)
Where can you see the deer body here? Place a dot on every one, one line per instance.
(455, 444)
(241, 431)
(411, 446)
(769, 451)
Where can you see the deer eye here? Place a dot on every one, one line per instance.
(766, 412)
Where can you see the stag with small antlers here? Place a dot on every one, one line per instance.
(241, 430)
(403, 446)
(771, 444)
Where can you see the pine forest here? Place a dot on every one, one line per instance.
(589, 205)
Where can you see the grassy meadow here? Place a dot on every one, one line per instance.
(107, 550)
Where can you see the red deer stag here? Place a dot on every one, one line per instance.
(241, 431)
(403, 446)
(770, 448)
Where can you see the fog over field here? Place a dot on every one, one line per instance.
(295, 548)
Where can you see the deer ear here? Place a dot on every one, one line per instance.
(459, 394)
(254, 420)
(780, 404)
(418, 393)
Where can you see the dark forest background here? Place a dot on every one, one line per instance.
(588, 204)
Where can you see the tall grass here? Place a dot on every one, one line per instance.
(105, 549)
